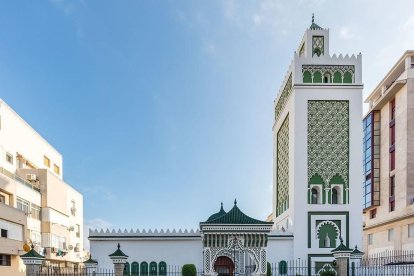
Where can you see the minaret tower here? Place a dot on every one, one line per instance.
(317, 135)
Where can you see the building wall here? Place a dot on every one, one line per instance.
(17, 136)
(61, 205)
(175, 252)
(403, 215)
(17, 268)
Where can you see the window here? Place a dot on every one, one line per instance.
(153, 268)
(134, 269)
(5, 260)
(334, 196)
(392, 110)
(314, 196)
(327, 78)
(35, 211)
(3, 233)
(2, 199)
(23, 205)
(46, 161)
(411, 230)
(9, 158)
(77, 230)
(127, 270)
(370, 239)
(36, 237)
(56, 169)
(144, 269)
(392, 194)
(162, 269)
(390, 234)
(373, 213)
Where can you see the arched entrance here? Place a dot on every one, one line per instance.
(224, 266)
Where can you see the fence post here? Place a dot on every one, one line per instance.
(356, 257)
(119, 259)
(33, 261)
(342, 254)
(90, 265)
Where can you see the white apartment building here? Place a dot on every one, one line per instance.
(36, 206)
(388, 196)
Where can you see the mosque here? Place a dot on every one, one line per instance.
(317, 178)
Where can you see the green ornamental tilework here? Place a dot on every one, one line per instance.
(328, 140)
(284, 97)
(282, 169)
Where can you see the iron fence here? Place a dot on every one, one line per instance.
(298, 268)
(385, 270)
(394, 257)
(69, 271)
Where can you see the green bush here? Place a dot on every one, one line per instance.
(189, 270)
(327, 273)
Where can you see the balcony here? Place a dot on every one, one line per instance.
(33, 186)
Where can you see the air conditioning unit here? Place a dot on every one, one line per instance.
(31, 177)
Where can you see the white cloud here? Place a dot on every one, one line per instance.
(96, 223)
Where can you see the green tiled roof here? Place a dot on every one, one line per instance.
(314, 26)
(234, 216)
(342, 248)
(217, 215)
(118, 253)
(357, 252)
(32, 254)
(90, 261)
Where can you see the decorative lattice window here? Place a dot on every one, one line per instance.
(162, 268)
(282, 169)
(153, 268)
(144, 269)
(317, 45)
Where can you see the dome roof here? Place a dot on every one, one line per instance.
(217, 215)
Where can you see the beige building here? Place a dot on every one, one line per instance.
(389, 161)
(36, 205)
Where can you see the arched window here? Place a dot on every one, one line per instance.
(327, 78)
(307, 77)
(347, 77)
(315, 196)
(283, 267)
(337, 77)
(153, 268)
(317, 77)
(162, 267)
(144, 269)
(126, 269)
(336, 195)
(134, 269)
(327, 235)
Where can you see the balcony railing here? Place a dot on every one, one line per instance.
(28, 184)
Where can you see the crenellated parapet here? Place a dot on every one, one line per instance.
(143, 233)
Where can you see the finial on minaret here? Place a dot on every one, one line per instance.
(119, 246)
(313, 18)
(235, 201)
(222, 205)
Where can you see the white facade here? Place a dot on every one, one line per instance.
(315, 78)
(31, 182)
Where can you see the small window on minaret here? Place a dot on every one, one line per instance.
(317, 45)
(327, 78)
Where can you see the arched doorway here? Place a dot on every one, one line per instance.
(224, 266)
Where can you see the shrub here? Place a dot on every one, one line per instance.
(327, 273)
(189, 270)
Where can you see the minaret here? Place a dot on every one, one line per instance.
(317, 135)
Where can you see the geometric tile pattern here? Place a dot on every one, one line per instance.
(328, 140)
(317, 45)
(284, 97)
(282, 168)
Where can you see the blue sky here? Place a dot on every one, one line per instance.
(163, 109)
